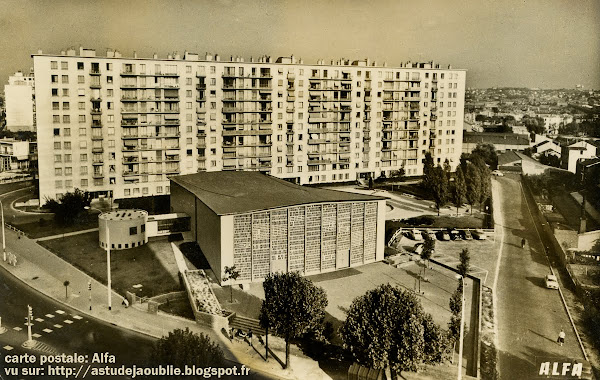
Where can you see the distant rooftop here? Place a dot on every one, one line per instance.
(233, 192)
(495, 138)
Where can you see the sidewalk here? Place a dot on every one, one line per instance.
(45, 272)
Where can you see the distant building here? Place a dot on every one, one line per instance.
(501, 141)
(262, 224)
(521, 163)
(547, 147)
(591, 167)
(17, 155)
(571, 154)
(19, 101)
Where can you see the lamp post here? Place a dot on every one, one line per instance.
(108, 280)
(462, 329)
(3, 236)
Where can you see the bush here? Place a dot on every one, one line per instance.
(423, 220)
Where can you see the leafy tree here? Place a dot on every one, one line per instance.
(473, 184)
(486, 186)
(488, 153)
(455, 304)
(534, 124)
(231, 273)
(428, 249)
(183, 347)
(427, 171)
(447, 169)
(68, 207)
(465, 262)
(439, 187)
(550, 160)
(293, 306)
(459, 189)
(387, 329)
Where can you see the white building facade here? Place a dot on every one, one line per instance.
(121, 126)
(18, 94)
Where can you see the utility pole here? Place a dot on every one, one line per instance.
(90, 290)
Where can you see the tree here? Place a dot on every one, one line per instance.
(428, 249)
(68, 207)
(439, 187)
(488, 153)
(486, 186)
(534, 124)
(386, 328)
(447, 169)
(473, 184)
(427, 171)
(455, 304)
(231, 273)
(293, 306)
(550, 160)
(465, 262)
(459, 189)
(184, 348)
(66, 284)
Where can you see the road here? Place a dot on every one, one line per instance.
(529, 315)
(60, 329)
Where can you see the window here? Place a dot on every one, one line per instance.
(56, 119)
(109, 66)
(55, 106)
(82, 118)
(57, 171)
(57, 158)
(65, 92)
(133, 230)
(80, 79)
(127, 192)
(65, 79)
(67, 131)
(79, 65)
(67, 158)
(55, 92)
(82, 131)
(66, 119)
(66, 106)
(109, 79)
(54, 78)
(81, 105)
(54, 65)
(109, 92)
(84, 182)
(67, 145)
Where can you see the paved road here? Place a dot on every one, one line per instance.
(60, 329)
(529, 315)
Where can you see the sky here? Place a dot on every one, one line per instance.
(503, 43)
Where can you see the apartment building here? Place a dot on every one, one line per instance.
(119, 127)
(18, 94)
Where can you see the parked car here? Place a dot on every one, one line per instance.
(418, 248)
(497, 173)
(466, 234)
(443, 235)
(479, 234)
(415, 235)
(431, 234)
(454, 234)
(551, 281)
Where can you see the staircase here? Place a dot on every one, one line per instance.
(245, 324)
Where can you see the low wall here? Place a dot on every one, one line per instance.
(474, 366)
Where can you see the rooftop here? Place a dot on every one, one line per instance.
(230, 192)
(495, 138)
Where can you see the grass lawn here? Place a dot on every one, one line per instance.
(180, 307)
(7, 187)
(129, 267)
(49, 227)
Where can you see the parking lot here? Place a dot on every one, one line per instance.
(483, 252)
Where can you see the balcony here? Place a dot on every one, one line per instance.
(98, 163)
(94, 71)
(97, 137)
(97, 149)
(127, 173)
(97, 175)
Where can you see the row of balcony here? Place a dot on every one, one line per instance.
(128, 148)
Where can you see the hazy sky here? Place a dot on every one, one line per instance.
(530, 43)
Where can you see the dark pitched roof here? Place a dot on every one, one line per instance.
(589, 162)
(508, 158)
(495, 138)
(232, 192)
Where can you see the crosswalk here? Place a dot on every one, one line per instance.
(47, 324)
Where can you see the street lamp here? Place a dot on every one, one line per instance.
(3, 236)
(107, 257)
(462, 328)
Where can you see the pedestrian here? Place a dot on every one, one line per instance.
(561, 337)
(522, 243)
(125, 302)
(249, 337)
